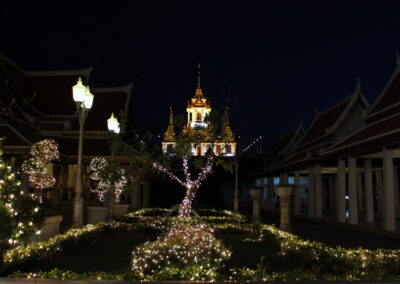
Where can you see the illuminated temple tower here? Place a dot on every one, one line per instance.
(197, 111)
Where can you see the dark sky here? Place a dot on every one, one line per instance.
(272, 62)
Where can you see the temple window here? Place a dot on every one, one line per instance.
(169, 148)
(218, 149)
(229, 148)
(198, 151)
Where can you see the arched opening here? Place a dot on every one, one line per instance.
(169, 148)
(218, 149)
(198, 118)
(228, 148)
(198, 151)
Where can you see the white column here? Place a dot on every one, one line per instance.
(318, 191)
(331, 188)
(353, 214)
(388, 191)
(369, 202)
(270, 192)
(396, 190)
(379, 192)
(341, 192)
(297, 208)
(360, 201)
(311, 193)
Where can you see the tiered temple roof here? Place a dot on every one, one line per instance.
(39, 104)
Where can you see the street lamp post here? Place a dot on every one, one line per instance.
(113, 126)
(84, 100)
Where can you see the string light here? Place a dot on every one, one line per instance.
(252, 144)
(191, 185)
(106, 177)
(42, 153)
(21, 215)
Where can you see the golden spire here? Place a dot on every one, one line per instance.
(198, 77)
(169, 135)
(226, 129)
(171, 116)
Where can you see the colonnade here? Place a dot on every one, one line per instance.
(359, 191)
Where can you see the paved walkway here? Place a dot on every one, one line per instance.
(334, 234)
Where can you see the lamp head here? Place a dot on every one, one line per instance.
(113, 124)
(88, 99)
(78, 91)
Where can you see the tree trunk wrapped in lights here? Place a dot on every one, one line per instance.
(191, 186)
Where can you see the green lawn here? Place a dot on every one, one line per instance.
(109, 254)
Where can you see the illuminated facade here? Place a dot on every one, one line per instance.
(197, 125)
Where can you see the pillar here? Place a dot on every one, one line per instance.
(270, 192)
(388, 191)
(396, 190)
(331, 188)
(285, 193)
(341, 192)
(311, 193)
(318, 191)
(379, 192)
(283, 178)
(236, 193)
(256, 196)
(353, 213)
(297, 208)
(263, 201)
(360, 201)
(136, 197)
(369, 202)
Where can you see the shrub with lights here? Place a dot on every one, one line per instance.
(20, 213)
(42, 153)
(187, 252)
(107, 176)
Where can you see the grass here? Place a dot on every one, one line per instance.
(109, 254)
(250, 254)
(112, 254)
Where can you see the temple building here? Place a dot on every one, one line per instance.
(198, 110)
(35, 105)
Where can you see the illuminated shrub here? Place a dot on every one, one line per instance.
(188, 251)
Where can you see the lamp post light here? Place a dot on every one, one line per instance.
(113, 126)
(84, 100)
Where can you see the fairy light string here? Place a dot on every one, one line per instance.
(105, 175)
(42, 153)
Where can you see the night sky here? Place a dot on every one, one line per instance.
(272, 63)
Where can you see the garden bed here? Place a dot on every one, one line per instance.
(259, 252)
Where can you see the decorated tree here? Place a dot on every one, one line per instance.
(189, 249)
(20, 213)
(42, 153)
(108, 178)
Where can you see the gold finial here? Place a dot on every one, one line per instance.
(198, 77)
(171, 116)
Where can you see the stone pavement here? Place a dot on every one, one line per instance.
(334, 234)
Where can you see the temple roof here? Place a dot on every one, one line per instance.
(388, 102)
(370, 138)
(198, 101)
(323, 132)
